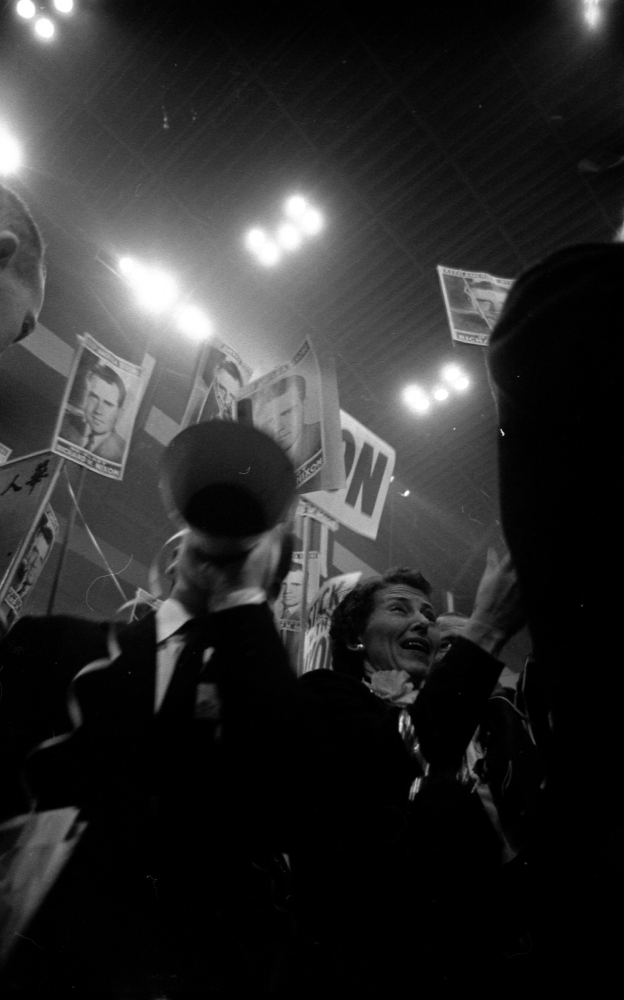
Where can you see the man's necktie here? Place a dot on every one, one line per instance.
(177, 709)
(90, 441)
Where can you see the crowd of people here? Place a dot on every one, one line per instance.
(399, 821)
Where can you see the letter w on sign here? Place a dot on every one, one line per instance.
(369, 463)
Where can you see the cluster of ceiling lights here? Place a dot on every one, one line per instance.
(299, 222)
(592, 12)
(158, 292)
(453, 380)
(44, 27)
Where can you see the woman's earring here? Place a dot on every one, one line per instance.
(360, 647)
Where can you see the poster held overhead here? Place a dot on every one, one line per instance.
(297, 405)
(28, 571)
(222, 375)
(26, 485)
(368, 466)
(99, 408)
(473, 301)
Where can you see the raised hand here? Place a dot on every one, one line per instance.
(498, 610)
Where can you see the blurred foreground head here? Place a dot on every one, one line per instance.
(22, 270)
(233, 489)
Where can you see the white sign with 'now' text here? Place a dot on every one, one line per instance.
(369, 464)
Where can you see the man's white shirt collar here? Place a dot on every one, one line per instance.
(170, 617)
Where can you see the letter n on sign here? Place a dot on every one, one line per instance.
(369, 463)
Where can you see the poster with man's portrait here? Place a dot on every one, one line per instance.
(222, 378)
(297, 405)
(290, 599)
(474, 301)
(28, 571)
(97, 415)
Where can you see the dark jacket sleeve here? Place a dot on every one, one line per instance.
(38, 659)
(452, 702)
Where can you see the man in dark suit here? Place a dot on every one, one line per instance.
(180, 763)
(95, 430)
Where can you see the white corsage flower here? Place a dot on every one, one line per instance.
(393, 686)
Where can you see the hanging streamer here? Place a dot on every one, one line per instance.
(95, 542)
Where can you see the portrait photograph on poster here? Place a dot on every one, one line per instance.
(473, 301)
(223, 376)
(98, 411)
(297, 405)
(29, 569)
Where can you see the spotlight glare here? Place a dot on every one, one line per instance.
(194, 323)
(440, 393)
(10, 156)
(269, 253)
(44, 27)
(592, 13)
(462, 383)
(26, 9)
(416, 398)
(288, 236)
(255, 239)
(295, 206)
(406, 494)
(64, 6)
(155, 290)
(451, 373)
(311, 222)
(127, 266)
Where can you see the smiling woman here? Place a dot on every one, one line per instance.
(387, 623)
(394, 838)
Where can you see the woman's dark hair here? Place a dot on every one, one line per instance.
(350, 617)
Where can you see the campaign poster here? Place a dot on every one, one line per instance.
(297, 405)
(222, 377)
(96, 418)
(473, 301)
(290, 599)
(368, 464)
(28, 570)
(26, 484)
(316, 648)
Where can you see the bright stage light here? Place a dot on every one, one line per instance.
(194, 323)
(288, 236)
(405, 494)
(26, 8)
(461, 383)
(127, 266)
(10, 155)
(440, 393)
(451, 373)
(592, 13)
(64, 6)
(311, 222)
(416, 398)
(255, 239)
(44, 27)
(269, 253)
(155, 289)
(295, 206)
